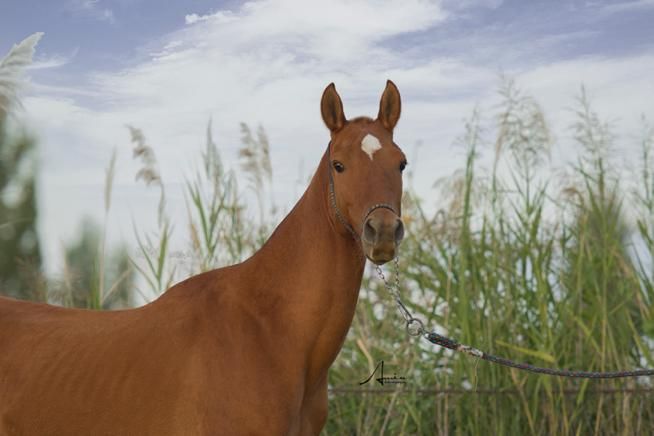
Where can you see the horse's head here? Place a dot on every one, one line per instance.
(367, 172)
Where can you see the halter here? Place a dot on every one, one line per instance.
(337, 211)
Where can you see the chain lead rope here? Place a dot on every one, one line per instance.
(415, 327)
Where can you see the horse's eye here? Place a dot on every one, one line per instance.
(403, 165)
(339, 167)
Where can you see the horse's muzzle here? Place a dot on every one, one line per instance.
(382, 233)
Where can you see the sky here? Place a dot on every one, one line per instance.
(169, 67)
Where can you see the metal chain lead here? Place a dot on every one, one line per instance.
(415, 327)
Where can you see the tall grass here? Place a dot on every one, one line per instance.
(220, 231)
(12, 70)
(20, 253)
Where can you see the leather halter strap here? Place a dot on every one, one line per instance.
(337, 211)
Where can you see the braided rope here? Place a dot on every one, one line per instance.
(451, 344)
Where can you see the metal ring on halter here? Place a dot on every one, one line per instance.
(415, 327)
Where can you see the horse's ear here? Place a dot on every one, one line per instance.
(390, 106)
(331, 108)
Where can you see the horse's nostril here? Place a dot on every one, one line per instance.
(399, 231)
(369, 231)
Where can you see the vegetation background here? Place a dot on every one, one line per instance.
(519, 258)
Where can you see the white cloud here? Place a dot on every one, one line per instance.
(268, 62)
(222, 16)
(619, 88)
(625, 6)
(53, 61)
(93, 9)
(335, 30)
(468, 4)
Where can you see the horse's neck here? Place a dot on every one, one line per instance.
(310, 270)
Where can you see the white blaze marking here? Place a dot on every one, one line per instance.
(370, 145)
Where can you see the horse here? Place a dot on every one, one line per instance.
(239, 350)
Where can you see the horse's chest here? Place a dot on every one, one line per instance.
(250, 398)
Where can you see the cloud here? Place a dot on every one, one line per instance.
(93, 9)
(618, 89)
(267, 62)
(54, 61)
(338, 30)
(195, 18)
(472, 4)
(625, 6)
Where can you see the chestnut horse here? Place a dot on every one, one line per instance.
(238, 350)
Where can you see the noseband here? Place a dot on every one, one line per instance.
(337, 211)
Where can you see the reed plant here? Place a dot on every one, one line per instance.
(20, 252)
(220, 230)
